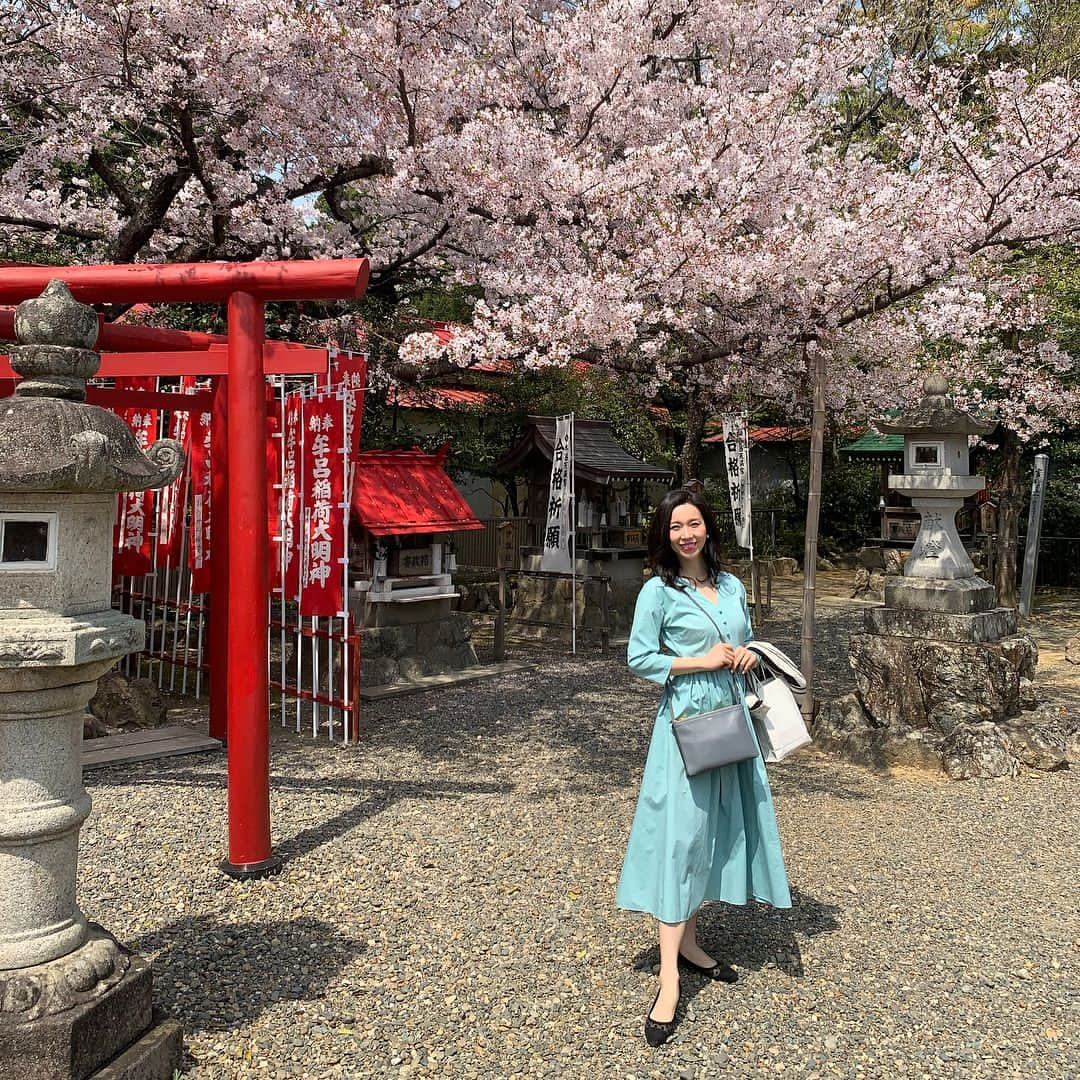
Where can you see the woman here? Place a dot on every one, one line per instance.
(712, 836)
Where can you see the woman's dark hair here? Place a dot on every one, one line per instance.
(662, 559)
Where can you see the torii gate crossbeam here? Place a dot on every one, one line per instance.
(245, 287)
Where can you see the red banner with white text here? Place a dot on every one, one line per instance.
(199, 546)
(135, 509)
(288, 501)
(170, 514)
(324, 508)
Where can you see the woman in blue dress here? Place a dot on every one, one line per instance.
(712, 836)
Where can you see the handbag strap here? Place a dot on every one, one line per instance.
(707, 613)
(736, 676)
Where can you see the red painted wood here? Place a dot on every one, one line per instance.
(279, 358)
(248, 623)
(214, 282)
(149, 399)
(123, 337)
(217, 641)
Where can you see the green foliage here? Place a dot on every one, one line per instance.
(1061, 514)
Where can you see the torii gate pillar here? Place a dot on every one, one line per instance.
(250, 852)
(239, 641)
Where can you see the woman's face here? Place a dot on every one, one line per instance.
(687, 531)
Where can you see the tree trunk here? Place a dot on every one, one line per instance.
(813, 516)
(690, 458)
(1010, 502)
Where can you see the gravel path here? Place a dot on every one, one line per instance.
(446, 907)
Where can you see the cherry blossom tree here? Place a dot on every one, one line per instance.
(734, 193)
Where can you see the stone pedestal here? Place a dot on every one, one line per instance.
(80, 1016)
(72, 1001)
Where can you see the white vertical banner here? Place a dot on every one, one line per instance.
(737, 455)
(560, 509)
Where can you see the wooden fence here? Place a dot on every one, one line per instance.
(476, 550)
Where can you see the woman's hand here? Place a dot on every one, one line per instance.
(743, 660)
(721, 655)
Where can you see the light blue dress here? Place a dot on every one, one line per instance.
(707, 837)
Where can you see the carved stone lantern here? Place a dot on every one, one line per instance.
(71, 999)
(939, 575)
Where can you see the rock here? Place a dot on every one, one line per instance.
(978, 750)
(784, 567)
(1072, 649)
(1029, 694)
(377, 670)
(825, 564)
(120, 704)
(1054, 728)
(1034, 746)
(1022, 652)
(894, 561)
(843, 726)
(869, 584)
(873, 558)
(911, 683)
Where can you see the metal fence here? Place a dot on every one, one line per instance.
(313, 663)
(1059, 561)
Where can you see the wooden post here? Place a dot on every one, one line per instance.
(813, 517)
(500, 620)
(605, 609)
(755, 588)
(502, 557)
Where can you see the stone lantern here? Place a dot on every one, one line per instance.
(72, 1001)
(938, 575)
(942, 674)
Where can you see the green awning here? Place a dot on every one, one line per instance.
(873, 447)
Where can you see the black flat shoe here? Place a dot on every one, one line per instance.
(719, 972)
(656, 1032)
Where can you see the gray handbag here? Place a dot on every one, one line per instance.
(718, 737)
(714, 738)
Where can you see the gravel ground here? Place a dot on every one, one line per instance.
(446, 906)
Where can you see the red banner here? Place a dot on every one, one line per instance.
(324, 506)
(348, 377)
(199, 546)
(287, 501)
(170, 518)
(135, 509)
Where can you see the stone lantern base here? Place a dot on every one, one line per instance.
(85, 1016)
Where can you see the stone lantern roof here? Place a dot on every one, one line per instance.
(936, 414)
(50, 438)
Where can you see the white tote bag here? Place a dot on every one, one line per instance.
(777, 718)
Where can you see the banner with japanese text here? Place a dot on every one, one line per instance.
(135, 509)
(737, 455)
(348, 376)
(199, 546)
(170, 512)
(556, 557)
(288, 501)
(325, 510)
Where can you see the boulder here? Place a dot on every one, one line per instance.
(1034, 746)
(869, 584)
(978, 750)
(843, 726)
(906, 683)
(784, 567)
(894, 561)
(121, 703)
(1072, 649)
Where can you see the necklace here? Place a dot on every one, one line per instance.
(699, 580)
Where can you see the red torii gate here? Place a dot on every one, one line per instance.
(239, 687)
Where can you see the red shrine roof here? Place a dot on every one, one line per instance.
(398, 492)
